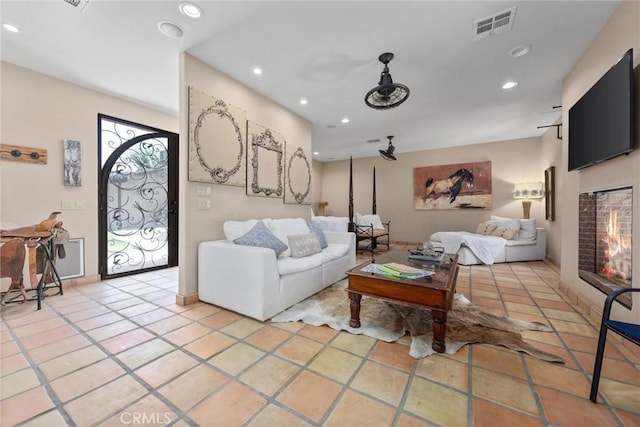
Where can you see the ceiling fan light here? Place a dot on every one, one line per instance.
(388, 153)
(387, 94)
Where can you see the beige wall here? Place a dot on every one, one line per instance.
(227, 202)
(40, 111)
(620, 33)
(551, 155)
(511, 161)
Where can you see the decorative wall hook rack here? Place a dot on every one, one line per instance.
(557, 126)
(23, 154)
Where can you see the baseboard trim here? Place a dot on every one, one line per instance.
(187, 299)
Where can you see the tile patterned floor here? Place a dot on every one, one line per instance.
(120, 352)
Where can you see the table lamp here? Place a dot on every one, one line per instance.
(527, 191)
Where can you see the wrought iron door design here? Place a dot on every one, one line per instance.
(138, 200)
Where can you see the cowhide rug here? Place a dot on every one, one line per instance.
(466, 323)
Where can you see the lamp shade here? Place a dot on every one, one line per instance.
(528, 190)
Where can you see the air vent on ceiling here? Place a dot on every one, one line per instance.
(371, 141)
(493, 25)
(80, 4)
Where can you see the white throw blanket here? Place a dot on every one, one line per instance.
(486, 248)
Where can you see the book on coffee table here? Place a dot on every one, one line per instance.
(421, 256)
(400, 270)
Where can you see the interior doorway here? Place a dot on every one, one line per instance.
(138, 197)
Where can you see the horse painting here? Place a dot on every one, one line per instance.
(450, 186)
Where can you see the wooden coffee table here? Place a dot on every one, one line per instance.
(434, 292)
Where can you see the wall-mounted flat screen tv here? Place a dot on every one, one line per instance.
(601, 122)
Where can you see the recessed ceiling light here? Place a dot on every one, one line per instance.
(520, 50)
(509, 85)
(345, 120)
(10, 28)
(171, 29)
(303, 101)
(315, 153)
(257, 71)
(190, 10)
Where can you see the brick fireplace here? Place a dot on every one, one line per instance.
(604, 232)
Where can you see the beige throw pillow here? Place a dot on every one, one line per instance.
(504, 232)
(485, 228)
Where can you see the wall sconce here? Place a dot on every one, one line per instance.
(527, 191)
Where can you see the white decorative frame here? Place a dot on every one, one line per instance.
(265, 149)
(72, 265)
(216, 141)
(297, 176)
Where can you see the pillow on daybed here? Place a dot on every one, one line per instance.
(262, 237)
(504, 232)
(374, 219)
(485, 228)
(303, 245)
(507, 223)
(527, 230)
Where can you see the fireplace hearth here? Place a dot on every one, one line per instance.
(604, 232)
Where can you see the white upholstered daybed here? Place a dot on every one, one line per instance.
(497, 240)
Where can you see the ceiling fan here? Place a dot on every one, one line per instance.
(388, 154)
(387, 94)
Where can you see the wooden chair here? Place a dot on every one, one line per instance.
(374, 236)
(628, 331)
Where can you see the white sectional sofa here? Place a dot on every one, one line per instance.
(527, 243)
(258, 283)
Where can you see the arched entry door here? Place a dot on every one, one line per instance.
(138, 198)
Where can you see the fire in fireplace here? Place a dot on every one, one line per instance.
(604, 231)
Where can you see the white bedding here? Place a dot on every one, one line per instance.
(486, 248)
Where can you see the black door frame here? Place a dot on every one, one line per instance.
(172, 193)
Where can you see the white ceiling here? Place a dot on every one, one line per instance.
(327, 52)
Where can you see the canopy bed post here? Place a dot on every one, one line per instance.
(373, 206)
(352, 227)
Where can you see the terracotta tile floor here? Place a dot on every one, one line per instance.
(120, 352)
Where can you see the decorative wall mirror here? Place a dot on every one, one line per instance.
(550, 194)
(265, 170)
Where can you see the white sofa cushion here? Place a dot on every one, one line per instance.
(285, 227)
(527, 229)
(334, 251)
(234, 229)
(290, 265)
(331, 223)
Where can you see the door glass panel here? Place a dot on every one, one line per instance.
(137, 208)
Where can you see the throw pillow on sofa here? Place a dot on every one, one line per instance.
(527, 229)
(507, 223)
(286, 227)
(315, 228)
(303, 245)
(234, 229)
(485, 228)
(262, 237)
(504, 232)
